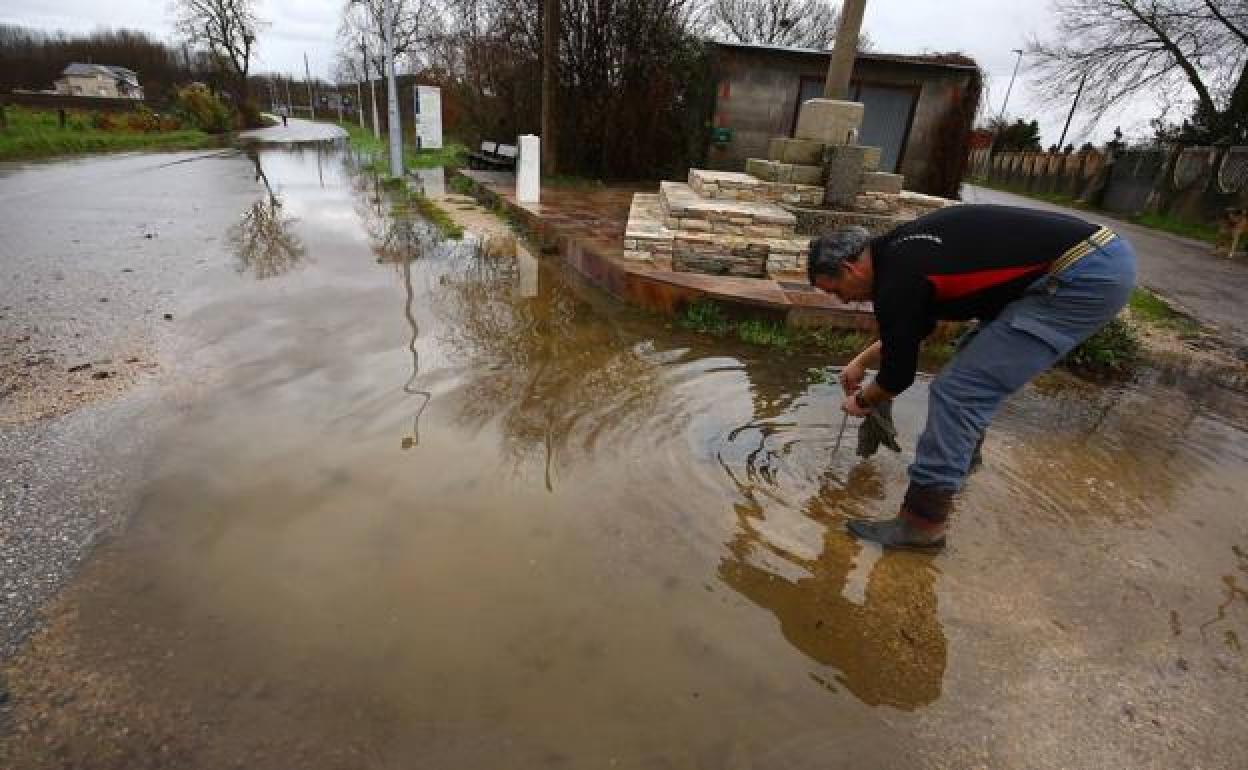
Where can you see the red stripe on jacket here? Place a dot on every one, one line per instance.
(960, 285)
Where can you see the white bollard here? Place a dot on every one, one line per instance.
(529, 170)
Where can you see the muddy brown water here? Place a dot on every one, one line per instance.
(424, 508)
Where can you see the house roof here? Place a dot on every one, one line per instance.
(108, 70)
(942, 60)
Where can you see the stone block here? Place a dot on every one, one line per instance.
(801, 151)
(843, 166)
(759, 168)
(784, 173)
(818, 221)
(829, 121)
(882, 182)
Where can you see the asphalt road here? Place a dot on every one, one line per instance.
(1213, 289)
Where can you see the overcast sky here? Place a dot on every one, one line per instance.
(987, 30)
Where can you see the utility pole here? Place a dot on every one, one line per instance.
(1062, 142)
(1004, 102)
(550, 82)
(841, 68)
(307, 73)
(394, 126)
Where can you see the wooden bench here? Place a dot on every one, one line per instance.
(494, 156)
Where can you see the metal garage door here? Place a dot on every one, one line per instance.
(886, 121)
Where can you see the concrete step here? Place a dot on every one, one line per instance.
(733, 185)
(684, 209)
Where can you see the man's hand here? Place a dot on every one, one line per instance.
(852, 376)
(850, 406)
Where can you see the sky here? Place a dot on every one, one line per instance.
(987, 30)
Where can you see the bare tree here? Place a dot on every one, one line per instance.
(417, 24)
(1129, 48)
(793, 23)
(227, 28)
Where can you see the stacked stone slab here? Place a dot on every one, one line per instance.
(700, 230)
(735, 186)
(684, 209)
(747, 224)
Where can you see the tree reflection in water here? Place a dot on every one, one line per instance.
(552, 374)
(263, 240)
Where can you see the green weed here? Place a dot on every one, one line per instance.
(766, 333)
(1111, 351)
(706, 317)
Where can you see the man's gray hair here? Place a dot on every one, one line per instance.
(828, 253)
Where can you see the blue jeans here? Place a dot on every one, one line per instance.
(1032, 333)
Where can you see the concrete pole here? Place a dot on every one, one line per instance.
(841, 69)
(394, 125)
(550, 82)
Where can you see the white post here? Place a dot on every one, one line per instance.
(394, 123)
(529, 170)
(359, 98)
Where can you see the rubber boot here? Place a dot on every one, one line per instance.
(919, 525)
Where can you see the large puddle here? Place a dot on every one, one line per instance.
(425, 507)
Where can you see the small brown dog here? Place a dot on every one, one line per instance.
(1231, 227)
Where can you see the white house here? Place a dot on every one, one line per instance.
(99, 80)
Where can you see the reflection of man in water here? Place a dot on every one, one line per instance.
(1039, 282)
(889, 650)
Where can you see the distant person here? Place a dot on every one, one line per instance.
(284, 111)
(1039, 283)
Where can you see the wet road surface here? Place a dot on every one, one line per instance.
(1184, 270)
(413, 506)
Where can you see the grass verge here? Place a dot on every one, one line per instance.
(1148, 308)
(437, 216)
(709, 317)
(451, 154)
(37, 134)
(1165, 223)
(1058, 199)
(1171, 224)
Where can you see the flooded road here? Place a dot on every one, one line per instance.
(417, 506)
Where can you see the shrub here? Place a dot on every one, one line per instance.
(200, 108)
(143, 120)
(103, 121)
(249, 116)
